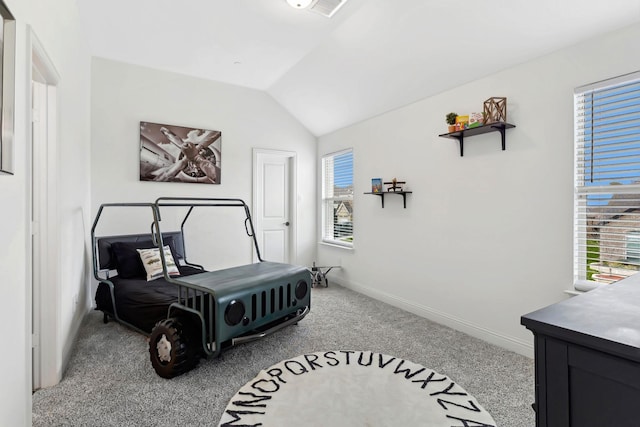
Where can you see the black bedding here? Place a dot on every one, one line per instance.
(139, 302)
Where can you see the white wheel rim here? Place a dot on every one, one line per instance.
(164, 349)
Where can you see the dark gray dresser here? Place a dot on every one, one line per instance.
(587, 358)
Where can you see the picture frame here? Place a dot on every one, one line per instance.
(376, 185)
(170, 153)
(7, 88)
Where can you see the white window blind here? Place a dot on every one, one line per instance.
(337, 198)
(607, 181)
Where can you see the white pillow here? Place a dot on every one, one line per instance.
(153, 264)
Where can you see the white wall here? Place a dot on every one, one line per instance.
(56, 26)
(124, 95)
(486, 237)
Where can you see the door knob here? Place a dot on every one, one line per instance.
(286, 223)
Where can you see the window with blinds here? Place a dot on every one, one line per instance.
(607, 181)
(337, 198)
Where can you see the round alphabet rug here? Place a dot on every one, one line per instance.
(352, 388)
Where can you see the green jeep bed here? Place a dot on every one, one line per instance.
(197, 313)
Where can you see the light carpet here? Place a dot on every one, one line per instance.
(110, 382)
(352, 388)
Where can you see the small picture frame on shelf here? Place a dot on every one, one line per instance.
(376, 185)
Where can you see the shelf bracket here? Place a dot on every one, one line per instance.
(479, 130)
(501, 129)
(401, 193)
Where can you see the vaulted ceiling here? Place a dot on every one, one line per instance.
(372, 56)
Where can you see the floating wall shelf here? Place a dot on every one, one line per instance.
(400, 193)
(493, 127)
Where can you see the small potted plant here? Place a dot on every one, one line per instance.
(451, 121)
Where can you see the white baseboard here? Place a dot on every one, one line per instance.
(510, 343)
(72, 339)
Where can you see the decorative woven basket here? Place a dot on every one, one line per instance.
(495, 110)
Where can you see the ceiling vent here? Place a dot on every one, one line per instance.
(326, 7)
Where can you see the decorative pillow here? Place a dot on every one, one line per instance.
(127, 258)
(153, 264)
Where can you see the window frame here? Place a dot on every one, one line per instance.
(586, 248)
(326, 201)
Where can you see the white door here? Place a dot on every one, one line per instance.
(274, 204)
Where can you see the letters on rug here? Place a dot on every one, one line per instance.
(349, 388)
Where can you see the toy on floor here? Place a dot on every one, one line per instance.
(318, 276)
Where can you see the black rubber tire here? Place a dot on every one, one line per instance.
(181, 358)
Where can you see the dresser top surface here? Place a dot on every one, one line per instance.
(607, 318)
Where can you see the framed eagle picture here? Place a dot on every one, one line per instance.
(170, 153)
